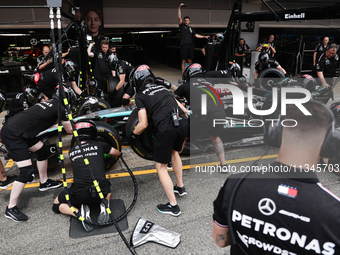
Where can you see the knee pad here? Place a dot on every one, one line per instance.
(125, 101)
(44, 152)
(55, 208)
(26, 174)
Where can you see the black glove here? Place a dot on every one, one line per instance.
(100, 93)
(83, 94)
(132, 139)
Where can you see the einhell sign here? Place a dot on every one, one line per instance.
(295, 16)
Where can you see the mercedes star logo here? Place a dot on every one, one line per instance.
(267, 206)
(34, 41)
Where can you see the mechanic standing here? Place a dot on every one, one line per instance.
(101, 71)
(187, 34)
(171, 126)
(327, 64)
(240, 50)
(5, 181)
(82, 192)
(284, 209)
(48, 80)
(193, 95)
(19, 135)
(319, 49)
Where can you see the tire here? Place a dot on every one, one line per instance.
(88, 107)
(111, 84)
(335, 108)
(143, 144)
(268, 78)
(108, 135)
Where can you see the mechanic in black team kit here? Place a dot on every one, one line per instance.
(123, 69)
(240, 50)
(121, 94)
(22, 101)
(101, 70)
(5, 180)
(319, 49)
(327, 64)
(171, 126)
(19, 135)
(186, 90)
(284, 211)
(187, 34)
(264, 62)
(82, 192)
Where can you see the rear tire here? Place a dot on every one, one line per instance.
(268, 78)
(143, 144)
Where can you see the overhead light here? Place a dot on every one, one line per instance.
(15, 35)
(150, 32)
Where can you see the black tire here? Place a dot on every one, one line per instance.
(115, 98)
(109, 135)
(87, 108)
(143, 144)
(111, 84)
(335, 108)
(268, 78)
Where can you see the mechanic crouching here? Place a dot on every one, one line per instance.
(171, 124)
(19, 135)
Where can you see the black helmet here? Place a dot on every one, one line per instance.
(70, 68)
(31, 93)
(92, 85)
(69, 94)
(191, 71)
(2, 100)
(219, 37)
(263, 58)
(309, 82)
(139, 75)
(112, 61)
(86, 129)
(235, 69)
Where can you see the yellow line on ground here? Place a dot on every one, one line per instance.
(152, 171)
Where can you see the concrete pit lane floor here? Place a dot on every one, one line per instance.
(48, 233)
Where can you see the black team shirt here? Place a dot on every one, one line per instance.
(187, 34)
(94, 151)
(276, 214)
(159, 102)
(102, 70)
(327, 65)
(35, 119)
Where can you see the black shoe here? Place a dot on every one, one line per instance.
(103, 216)
(15, 214)
(180, 191)
(225, 169)
(85, 213)
(50, 184)
(169, 209)
(169, 167)
(8, 183)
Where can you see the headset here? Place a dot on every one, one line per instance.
(330, 147)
